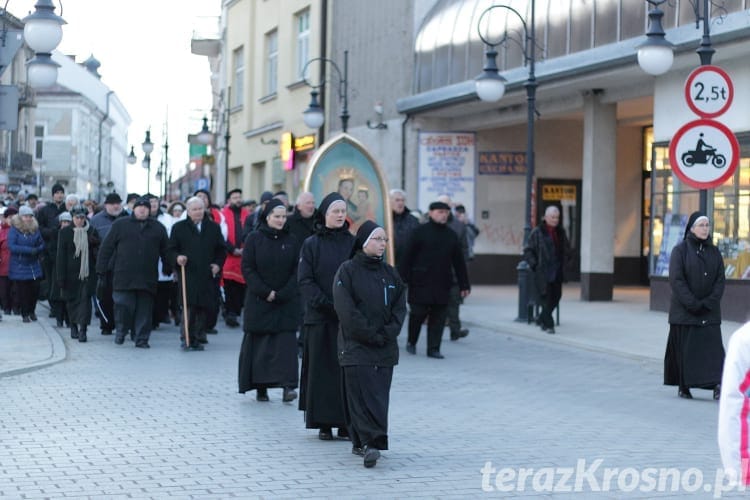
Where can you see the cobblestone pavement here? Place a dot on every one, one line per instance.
(119, 422)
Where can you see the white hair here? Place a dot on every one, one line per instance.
(396, 191)
(550, 209)
(303, 195)
(71, 197)
(193, 200)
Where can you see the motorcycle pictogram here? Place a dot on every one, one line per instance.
(703, 153)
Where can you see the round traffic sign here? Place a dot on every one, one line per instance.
(704, 153)
(709, 91)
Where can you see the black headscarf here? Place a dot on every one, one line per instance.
(363, 234)
(268, 208)
(327, 201)
(693, 217)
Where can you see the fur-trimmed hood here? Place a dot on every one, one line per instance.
(24, 227)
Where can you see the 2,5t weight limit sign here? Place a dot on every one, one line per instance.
(709, 91)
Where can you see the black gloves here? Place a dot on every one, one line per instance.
(378, 340)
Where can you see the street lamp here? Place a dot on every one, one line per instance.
(42, 32)
(313, 116)
(205, 136)
(656, 54)
(131, 157)
(490, 86)
(148, 148)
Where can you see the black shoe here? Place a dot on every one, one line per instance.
(356, 450)
(197, 347)
(289, 395)
(119, 339)
(7, 312)
(343, 433)
(325, 434)
(717, 392)
(26, 319)
(684, 393)
(51, 313)
(203, 341)
(551, 330)
(212, 331)
(371, 456)
(32, 317)
(106, 332)
(262, 395)
(74, 334)
(435, 354)
(231, 321)
(463, 333)
(143, 345)
(59, 323)
(411, 348)
(17, 312)
(82, 335)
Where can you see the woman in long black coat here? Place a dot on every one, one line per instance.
(321, 255)
(371, 305)
(269, 347)
(77, 246)
(695, 353)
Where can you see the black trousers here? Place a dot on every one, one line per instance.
(161, 302)
(5, 294)
(435, 323)
(212, 314)
(108, 305)
(235, 297)
(197, 317)
(28, 293)
(133, 314)
(454, 305)
(549, 302)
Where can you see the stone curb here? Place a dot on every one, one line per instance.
(58, 352)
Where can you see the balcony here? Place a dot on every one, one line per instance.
(206, 40)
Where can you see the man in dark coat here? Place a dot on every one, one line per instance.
(320, 378)
(302, 225)
(403, 223)
(199, 246)
(433, 255)
(49, 225)
(101, 224)
(135, 243)
(546, 252)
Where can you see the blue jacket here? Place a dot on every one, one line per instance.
(26, 246)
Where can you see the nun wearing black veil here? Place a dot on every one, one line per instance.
(369, 298)
(695, 353)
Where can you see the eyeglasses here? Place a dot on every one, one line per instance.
(378, 239)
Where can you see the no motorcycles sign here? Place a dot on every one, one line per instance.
(704, 153)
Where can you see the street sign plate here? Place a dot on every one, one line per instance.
(704, 153)
(9, 107)
(709, 91)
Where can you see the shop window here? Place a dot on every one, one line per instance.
(672, 202)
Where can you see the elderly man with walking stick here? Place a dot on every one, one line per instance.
(199, 246)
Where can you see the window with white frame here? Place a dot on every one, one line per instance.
(272, 61)
(38, 142)
(238, 59)
(303, 40)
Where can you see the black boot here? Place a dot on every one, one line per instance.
(73, 331)
(82, 334)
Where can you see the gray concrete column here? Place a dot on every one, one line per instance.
(598, 199)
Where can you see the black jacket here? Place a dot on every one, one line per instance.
(320, 258)
(49, 225)
(547, 261)
(68, 265)
(696, 277)
(300, 227)
(371, 305)
(202, 249)
(433, 254)
(134, 247)
(269, 263)
(403, 225)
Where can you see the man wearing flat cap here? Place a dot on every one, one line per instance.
(433, 253)
(102, 223)
(132, 249)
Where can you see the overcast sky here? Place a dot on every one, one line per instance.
(144, 50)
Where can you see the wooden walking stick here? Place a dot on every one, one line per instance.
(185, 308)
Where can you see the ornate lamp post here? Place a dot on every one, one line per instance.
(490, 86)
(313, 115)
(148, 148)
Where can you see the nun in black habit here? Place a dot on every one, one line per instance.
(695, 353)
(269, 348)
(369, 298)
(77, 246)
(320, 377)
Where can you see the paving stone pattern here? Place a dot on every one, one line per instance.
(119, 422)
